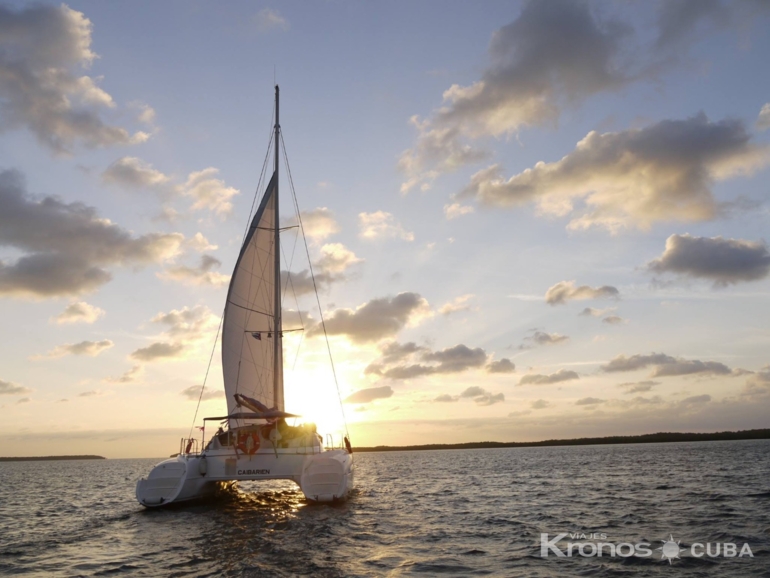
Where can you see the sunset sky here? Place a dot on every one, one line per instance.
(527, 220)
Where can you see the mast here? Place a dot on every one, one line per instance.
(277, 341)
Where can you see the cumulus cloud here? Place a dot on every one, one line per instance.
(542, 338)
(203, 274)
(318, 224)
(133, 173)
(547, 379)
(457, 305)
(613, 320)
(665, 365)
(638, 386)
(209, 192)
(42, 52)
(200, 243)
(456, 210)
(269, 19)
(445, 397)
(723, 261)
(183, 328)
(503, 365)
(763, 120)
(381, 225)
(193, 393)
(66, 247)
(590, 401)
(370, 394)
(592, 312)
(633, 178)
(90, 348)
(540, 404)
(9, 388)
(565, 291)
(479, 395)
(377, 319)
(758, 384)
(554, 52)
(79, 312)
(336, 258)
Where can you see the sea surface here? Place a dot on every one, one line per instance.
(426, 513)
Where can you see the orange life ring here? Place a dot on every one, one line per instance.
(248, 443)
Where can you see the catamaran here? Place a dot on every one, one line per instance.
(254, 441)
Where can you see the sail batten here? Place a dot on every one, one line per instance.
(252, 362)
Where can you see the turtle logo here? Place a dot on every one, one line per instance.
(670, 549)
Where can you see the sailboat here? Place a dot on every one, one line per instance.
(254, 440)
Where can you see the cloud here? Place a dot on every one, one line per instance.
(318, 224)
(67, 247)
(542, 338)
(184, 328)
(377, 319)
(133, 173)
(456, 359)
(633, 178)
(9, 388)
(763, 120)
(456, 210)
(193, 393)
(42, 51)
(445, 397)
(381, 225)
(336, 258)
(158, 351)
(92, 393)
(78, 312)
(480, 396)
(665, 365)
(696, 399)
(129, 376)
(723, 261)
(269, 19)
(565, 291)
(24, 400)
(554, 53)
(200, 275)
(638, 386)
(592, 312)
(456, 305)
(503, 365)
(90, 348)
(613, 320)
(209, 192)
(541, 379)
(590, 401)
(757, 385)
(200, 243)
(540, 404)
(369, 394)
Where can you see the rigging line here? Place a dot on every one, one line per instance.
(203, 387)
(312, 276)
(261, 175)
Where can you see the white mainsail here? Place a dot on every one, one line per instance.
(252, 331)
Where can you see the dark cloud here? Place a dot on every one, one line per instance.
(503, 365)
(665, 365)
(592, 312)
(543, 338)
(696, 399)
(555, 52)
(480, 396)
(613, 320)
(632, 178)
(203, 274)
(42, 52)
(454, 359)
(444, 397)
(638, 386)
(758, 384)
(67, 246)
(541, 379)
(540, 404)
(590, 401)
(377, 319)
(565, 291)
(370, 394)
(723, 261)
(8, 388)
(90, 348)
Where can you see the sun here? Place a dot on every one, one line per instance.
(670, 549)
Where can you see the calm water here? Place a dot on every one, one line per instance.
(449, 513)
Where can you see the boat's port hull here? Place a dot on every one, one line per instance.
(322, 476)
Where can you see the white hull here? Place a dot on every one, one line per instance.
(323, 476)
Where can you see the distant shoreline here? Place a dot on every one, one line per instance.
(51, 458)
(662, 437)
